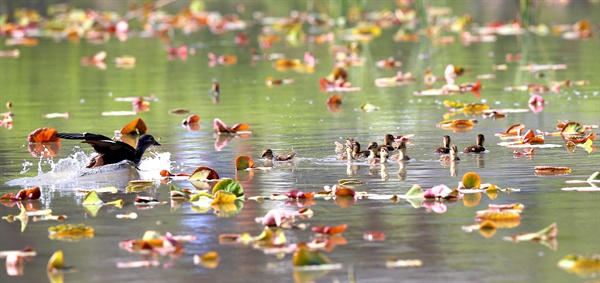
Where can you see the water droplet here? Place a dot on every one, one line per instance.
(82, 100)
(497, 102)
(267, 98)
(483, 100)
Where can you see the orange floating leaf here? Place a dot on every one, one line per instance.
(471, 180)
(43, 135)
(240, 127)
(56, 261)
(515, 130)
(300, 195)
(137, 126)
(330, 230)
(244, 162)
(31, 193)
(191, 119)
(345, 192)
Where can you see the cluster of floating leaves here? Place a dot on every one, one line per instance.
(226, 196)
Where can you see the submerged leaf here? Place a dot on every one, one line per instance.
(545, 234)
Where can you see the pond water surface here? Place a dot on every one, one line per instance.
(49, 78)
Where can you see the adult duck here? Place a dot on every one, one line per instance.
(445, 149)
(268, 154)
(111, 151)
(477, 148)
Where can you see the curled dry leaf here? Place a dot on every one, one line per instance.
(31, 193)
(192, 119)
(43, 135)
(328, 230)
(243, 162)
(545, 234)
(136, 126)
(459, 125)
(204, 173)
(343, 191)
(551, 170)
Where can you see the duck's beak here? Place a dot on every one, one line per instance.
(156, 143)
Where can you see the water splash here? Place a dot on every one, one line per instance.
(70, 172)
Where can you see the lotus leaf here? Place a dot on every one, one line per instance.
(304, 256)
(204, 173)
(229, 185)
(223, 197)
(471, 180)
(243, 162)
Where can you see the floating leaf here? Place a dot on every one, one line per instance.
(137, 126)
(374, 236)
(571, 128)
(304, 256)
(43, 135)
(209, 260)
(240, 127)
(56, 261)
(243, 162)
(222, 197)
(204, 173)
(459, 125)
(192, 119)
(551, 170)
(391, 263)
(92, 198)
(583, 265)
(471, 180)
(497, 215)
(342, 191)
(415, 192)
(439, 191)
(229, 185)
(474, 108)
(545, 234)
(24, 194)
(71, 229)
(328, 230)
(334, 99)
(368, 107)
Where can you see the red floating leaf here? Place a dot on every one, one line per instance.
(345, 192)
(299, 194)
(43, 135)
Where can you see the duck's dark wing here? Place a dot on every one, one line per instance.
(84, 136)
(109, 151)
(286, 157)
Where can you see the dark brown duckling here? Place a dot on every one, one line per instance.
(357, 153)
(268, 154)
(445, 149)
(388, 142)
(478, 148)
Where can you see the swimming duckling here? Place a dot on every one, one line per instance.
(478, 148)
(447, 159)
(383, 153)
(401, 156)
(268, 154)
(388, 141)
(360, 153)
(446, 148)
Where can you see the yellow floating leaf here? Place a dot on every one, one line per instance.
(497, 215)
(56, 261)
(471, 180)
(471, 200)
(304, 256)
(222, 196)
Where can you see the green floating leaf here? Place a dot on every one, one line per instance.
(92, 198)
(229, 185)
(304, 256)
(243, 162)
(572, 127)
(471, 180)
(415, 192)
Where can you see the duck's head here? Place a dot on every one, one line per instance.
(446, 141)
(388, 139)
(480, 139)
(267, 153)
(383, 152)
(402, 146)
(145, 142)
(373, 145)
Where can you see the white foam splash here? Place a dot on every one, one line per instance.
(70, 172)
